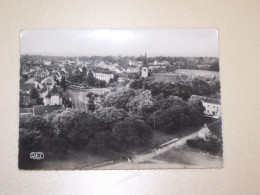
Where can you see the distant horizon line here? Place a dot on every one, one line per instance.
(49, 55)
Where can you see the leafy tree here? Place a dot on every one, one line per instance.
(165, 103)
(139, 101)
(63, 83)
(91, 105)
(34, 93)
(90, 94)
(77, 126)
(119, 99)
(57, 82)
(90, 79)
(111, 115)
(137, 84)
(200, 86)
(171, 113)
(195, 110)
(132, 132)
(37, 123)
(215, 66)
(84, 70)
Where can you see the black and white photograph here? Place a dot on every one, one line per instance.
(114, 99)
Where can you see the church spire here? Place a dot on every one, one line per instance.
(145, 60)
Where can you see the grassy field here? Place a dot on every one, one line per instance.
(190, 157)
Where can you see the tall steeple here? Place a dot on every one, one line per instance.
(145, 60)
(145, 69)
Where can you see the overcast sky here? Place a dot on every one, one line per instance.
(159, 42)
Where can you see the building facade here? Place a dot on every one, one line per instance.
(212, 106)
(103, 75)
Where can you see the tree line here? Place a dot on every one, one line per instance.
(198, 86)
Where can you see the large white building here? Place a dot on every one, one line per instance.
(103, 75)
(212, 106)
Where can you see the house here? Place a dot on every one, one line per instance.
(53, 97)
(41, 74)
(33, 82)
(212, 106)
(55, 73)
(211, 131)
(47, 63)
(133, 63)
(115, 69)
(140, 63)
(102, 64)
(43, 91)
(103, 74)
(158, 65)
(42, 110)
(49, 82)
(133, 69)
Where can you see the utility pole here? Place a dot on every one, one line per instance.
(154, 122)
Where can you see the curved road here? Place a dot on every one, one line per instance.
(191, 158)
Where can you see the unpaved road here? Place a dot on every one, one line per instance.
(185, 158)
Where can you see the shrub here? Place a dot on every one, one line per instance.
(212, 146)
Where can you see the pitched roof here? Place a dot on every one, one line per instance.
(196, 98)
(54, 91)
(211, 100)
(47, 80)
(41, 109)
(31, 80)
(216, 129)
(103, 71)
(205, 99)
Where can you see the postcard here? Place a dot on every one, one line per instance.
(119, 99)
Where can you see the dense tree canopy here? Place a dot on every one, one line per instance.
(119, 99)
(76, 125)
(140, 100)
(132, 132)
(171, 113)
(198, 86)
(111, 115)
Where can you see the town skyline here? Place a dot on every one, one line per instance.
(101, 42)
